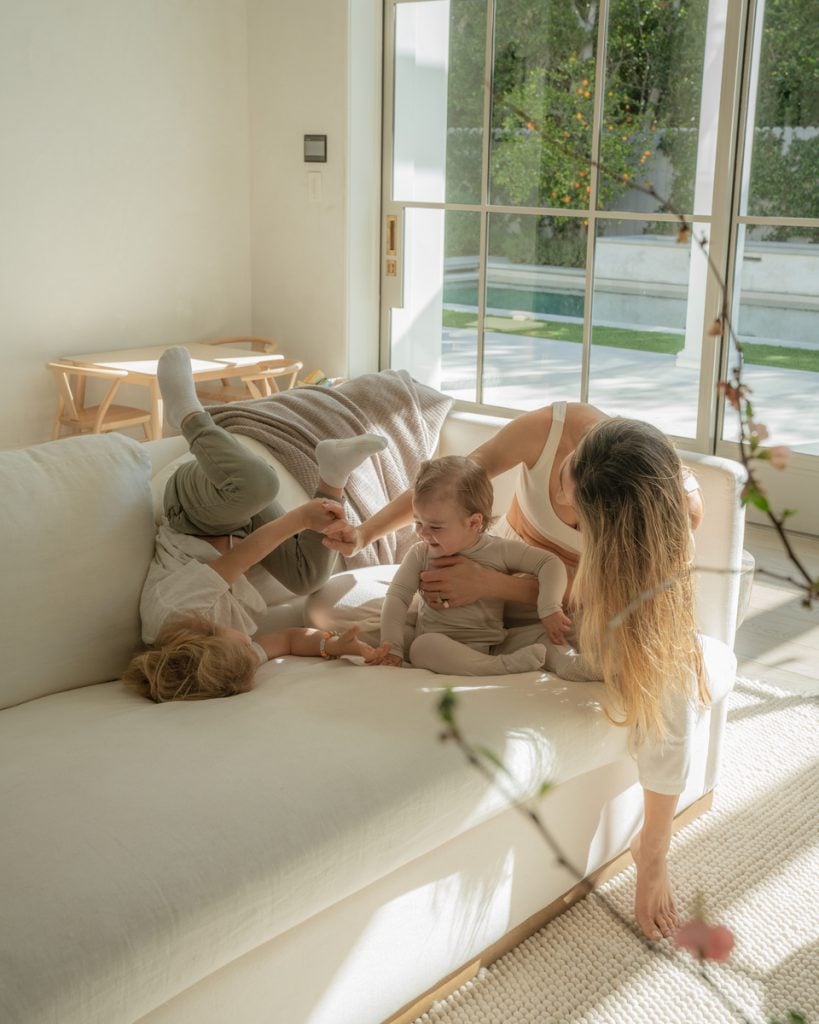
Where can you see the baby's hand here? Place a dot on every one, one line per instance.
(381, 656)
(556, 626)
(320, 512)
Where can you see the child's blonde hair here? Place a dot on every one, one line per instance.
(460, 478)
(192, 659)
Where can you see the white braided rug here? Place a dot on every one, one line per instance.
(755, 859)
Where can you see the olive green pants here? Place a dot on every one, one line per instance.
(227, 490)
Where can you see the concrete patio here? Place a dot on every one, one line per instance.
(523, 372)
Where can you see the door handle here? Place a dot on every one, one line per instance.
(391, 247)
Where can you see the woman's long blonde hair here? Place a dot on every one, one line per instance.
(634, 577)
(192, 659)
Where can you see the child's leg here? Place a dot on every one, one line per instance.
(338, 457)
(226, 485)
(223, 488)
(563, 661)
(440, 653)
(301, 563)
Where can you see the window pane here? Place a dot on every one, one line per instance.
(784, 179)
(438, 126)
(431, 337)
(543, 92)
(775, 320)
(650, 124)
(420, 125)
(535, 284)
(467, 57)
(647, 324)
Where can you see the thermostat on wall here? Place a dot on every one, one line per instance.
(315, 149)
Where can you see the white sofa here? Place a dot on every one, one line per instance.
(307, 852)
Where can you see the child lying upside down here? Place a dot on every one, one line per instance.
(220, 519)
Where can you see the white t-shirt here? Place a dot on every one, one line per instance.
(180, 580)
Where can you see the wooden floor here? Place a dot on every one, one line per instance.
(778, 641)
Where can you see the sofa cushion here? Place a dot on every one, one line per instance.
(78, 536)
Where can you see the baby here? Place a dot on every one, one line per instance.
(452, 505)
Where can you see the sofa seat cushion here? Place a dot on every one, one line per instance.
(151, 844)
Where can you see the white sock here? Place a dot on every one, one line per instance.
(527, 659)
(176, 384)
(338, 458)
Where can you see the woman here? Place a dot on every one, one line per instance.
(621, 484)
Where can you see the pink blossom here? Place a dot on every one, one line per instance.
(732, 394)
(705, 941)
(779, 456)
(759, 430)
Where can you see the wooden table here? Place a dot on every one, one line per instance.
(208, 362)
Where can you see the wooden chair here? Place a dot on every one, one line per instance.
(79, 418)
(262, 382)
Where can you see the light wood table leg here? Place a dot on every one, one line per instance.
(156, 411)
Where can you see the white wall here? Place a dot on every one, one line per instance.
(153, 189)
(306, 59)
(124, 184)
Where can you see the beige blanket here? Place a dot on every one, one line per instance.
(390, 403)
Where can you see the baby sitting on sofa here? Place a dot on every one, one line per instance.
(452, 505)
(220, 519)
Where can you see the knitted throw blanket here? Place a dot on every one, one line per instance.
(290, 424)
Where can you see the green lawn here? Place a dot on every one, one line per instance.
(645, 341)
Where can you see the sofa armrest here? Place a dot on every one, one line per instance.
(718, 543)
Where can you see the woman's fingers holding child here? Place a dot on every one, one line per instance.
(452, 582)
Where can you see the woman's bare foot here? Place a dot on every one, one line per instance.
(653, 903)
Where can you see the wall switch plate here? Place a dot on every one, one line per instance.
(315, 149)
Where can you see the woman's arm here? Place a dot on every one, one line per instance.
(460, 580)
(653, 902)
(314, 515)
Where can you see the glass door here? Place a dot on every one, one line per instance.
(535, 168)
(774, 272)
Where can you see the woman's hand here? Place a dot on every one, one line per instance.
(654, 905)
(343, 537)
(455, 581)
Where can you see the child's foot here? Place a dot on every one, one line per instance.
(568, 664)
(527, 659)
(176, 384)
(338, 458)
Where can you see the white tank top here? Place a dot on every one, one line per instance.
(531, 516)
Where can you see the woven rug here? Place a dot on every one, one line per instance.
(755, 859)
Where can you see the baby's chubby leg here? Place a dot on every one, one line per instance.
(440, 653)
